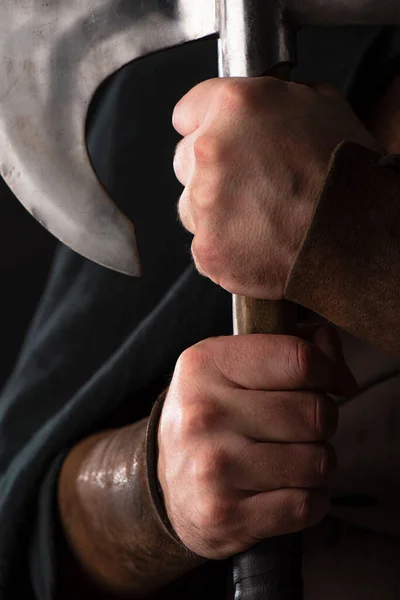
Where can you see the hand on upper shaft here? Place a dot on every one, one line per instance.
(254, 159)
(243, 452)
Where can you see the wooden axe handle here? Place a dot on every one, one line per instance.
(265, 316)
(271, 570)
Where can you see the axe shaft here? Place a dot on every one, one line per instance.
(54, 55)
(272, 569)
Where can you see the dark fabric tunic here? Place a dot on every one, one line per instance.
(102, 346)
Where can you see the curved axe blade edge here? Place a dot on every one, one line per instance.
(53, 57)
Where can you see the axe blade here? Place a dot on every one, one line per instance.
(53, 57)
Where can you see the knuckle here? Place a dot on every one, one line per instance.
(199, 417)
(208, 149)
(241, 95)
(311, 507)
(300, 361)
(304, 511)
(193, 360)
(184, 211)
(210, 467)
(181, 148)
(207, 255)
(322, 416)
(235, 94)
(326, 462)
(215, 517)
(207, 194)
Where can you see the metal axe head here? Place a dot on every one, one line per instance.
(55, 54)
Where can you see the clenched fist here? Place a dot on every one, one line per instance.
(253, 162)
(243, 438)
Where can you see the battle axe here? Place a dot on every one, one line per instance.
(54, 55)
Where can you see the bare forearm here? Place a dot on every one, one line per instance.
(116, 542)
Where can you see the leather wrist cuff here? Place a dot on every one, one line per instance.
(153, 482)
(118, 531)
(348, 266)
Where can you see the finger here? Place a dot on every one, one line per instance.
(282, 512)
(258, 467)
(327, 339)
(325, 336)
(282, 416)
(184, 161)
(191, 110)
(185, 211)
(269, 362)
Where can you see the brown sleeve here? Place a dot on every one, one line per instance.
(348, 268)
(117, 538)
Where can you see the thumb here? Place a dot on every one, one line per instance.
(327, 339)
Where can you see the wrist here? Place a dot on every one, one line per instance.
(349, 258)
(152, 461)
(112, 525)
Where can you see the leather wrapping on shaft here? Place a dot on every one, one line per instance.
(271, 570)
